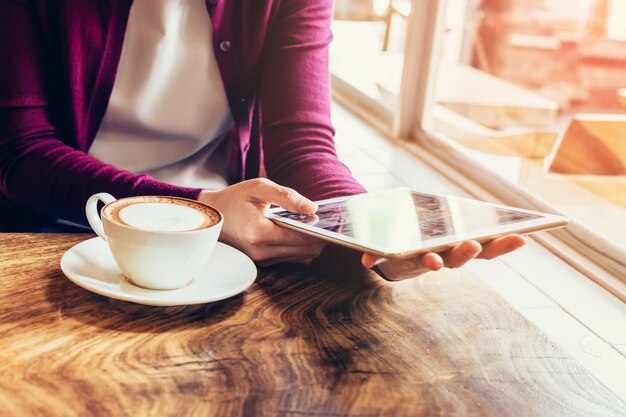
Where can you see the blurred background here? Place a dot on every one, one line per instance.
(535, 90)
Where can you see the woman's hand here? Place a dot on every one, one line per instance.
(451, 258)
(246, 227)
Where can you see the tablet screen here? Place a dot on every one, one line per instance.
(401, 220)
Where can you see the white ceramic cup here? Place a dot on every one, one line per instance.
(154, 259)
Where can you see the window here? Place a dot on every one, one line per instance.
(526, 98)
(366, 56)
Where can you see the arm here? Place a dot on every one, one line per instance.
(298, 144)
(38, 169)
(295, 101)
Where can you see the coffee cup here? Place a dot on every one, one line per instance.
(158, 242)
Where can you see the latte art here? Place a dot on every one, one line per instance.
(161, 217)
(162, 214)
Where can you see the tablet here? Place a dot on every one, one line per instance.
(401, 223)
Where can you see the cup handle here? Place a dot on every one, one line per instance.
(91, 210)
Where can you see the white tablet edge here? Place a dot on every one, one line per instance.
(545, 221)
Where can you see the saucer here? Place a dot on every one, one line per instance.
(90, 265)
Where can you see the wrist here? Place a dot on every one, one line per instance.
(208, 197)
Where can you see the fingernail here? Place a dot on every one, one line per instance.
(379, 261)
(305, 204)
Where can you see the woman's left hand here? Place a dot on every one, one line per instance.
(457, 256)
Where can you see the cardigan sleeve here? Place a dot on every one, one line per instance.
(295, 101)
(40, 165)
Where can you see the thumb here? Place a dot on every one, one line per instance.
(287, 198)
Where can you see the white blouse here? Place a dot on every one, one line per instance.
(168, 106)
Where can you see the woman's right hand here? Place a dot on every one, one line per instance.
(246, 227)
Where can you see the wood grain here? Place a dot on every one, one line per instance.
(325, 340)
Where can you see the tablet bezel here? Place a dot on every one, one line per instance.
(545, 221)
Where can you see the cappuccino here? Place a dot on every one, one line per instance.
(158, 242)
(162, 214)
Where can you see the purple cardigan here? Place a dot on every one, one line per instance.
(58, 62)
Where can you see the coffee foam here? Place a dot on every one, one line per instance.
(162, 214)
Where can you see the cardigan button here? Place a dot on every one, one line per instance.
(225, 46)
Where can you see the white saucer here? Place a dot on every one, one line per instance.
(90, 265)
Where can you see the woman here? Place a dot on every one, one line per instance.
(178, 97)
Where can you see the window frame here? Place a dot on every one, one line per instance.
(412, 124)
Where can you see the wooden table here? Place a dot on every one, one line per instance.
(325, 340)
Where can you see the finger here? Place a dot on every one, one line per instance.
(368, 260)
(265, 254)
(432, 261)
(428, 260)
(461, 253)
(286, 197)
(398, 270)
(502, 245)
(281, 236)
